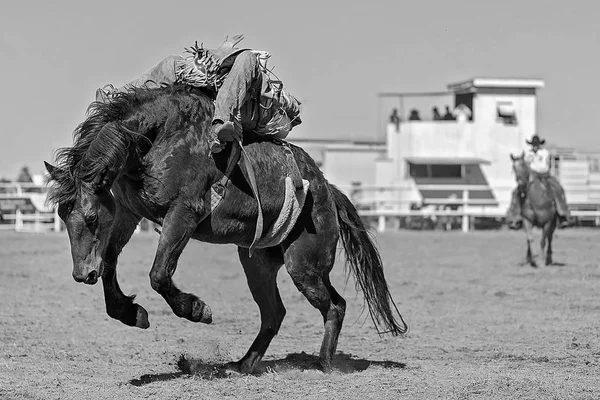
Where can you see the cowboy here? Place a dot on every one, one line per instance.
(248, 98)
(538, 159)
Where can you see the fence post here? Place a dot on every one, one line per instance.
(18, 220)
(465, 217)
(36, 222)
(381, 223)
(56, 220)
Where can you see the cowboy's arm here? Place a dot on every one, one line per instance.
(546, 155)
(161, 74)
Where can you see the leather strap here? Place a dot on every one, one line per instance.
(252, 179)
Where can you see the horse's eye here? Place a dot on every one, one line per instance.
(91, 218)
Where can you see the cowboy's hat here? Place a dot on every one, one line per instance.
(535, 141)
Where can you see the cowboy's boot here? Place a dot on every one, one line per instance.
(105, 93)
(562, 209)
(221, 133)
(564, 222)
(101, 96)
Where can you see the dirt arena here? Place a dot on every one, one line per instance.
(482, 325)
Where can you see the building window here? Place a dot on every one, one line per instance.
(446, 171)
(419, 171)
(452, 171)
(506, 113)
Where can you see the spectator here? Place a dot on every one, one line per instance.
(448, 116)
(395, 119)
(462, 113)
(414, 115)
(436, 114)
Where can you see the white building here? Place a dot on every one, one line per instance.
(429, 162)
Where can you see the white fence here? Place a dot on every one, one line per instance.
(380, 202)
(25, 210)
(386, 202)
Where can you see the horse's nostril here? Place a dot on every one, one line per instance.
(92, 277)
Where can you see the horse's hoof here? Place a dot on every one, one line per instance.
(320, 366)
(141, 319)
(231, 369)
(201, 312)
(234, 368)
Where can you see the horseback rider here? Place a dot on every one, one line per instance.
(538, 159)
(249, 97)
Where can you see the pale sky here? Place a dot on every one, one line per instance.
(335, 56)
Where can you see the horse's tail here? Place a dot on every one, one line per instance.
(363, 259)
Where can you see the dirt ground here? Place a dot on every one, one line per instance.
(482, 325)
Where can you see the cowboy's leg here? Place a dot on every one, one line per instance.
(242, 80)
(161, 74)
(291, 106)
(559, 197)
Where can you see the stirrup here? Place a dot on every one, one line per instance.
(216, 146)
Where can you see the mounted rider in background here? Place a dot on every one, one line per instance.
(538, 159)
(248, 96)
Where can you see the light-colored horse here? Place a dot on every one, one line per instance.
(538, 209)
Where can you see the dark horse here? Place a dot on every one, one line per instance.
(145, 154)
(537, 208)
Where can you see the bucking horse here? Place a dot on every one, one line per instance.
(145, 154)
(537, 209)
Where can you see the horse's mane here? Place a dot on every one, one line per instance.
(112, 130)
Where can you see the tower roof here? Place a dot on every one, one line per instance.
(473, 85)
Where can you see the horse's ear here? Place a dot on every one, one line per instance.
(512, 157)
(522, 153)
(103, 180)
(52, 170)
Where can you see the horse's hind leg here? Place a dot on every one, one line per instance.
(118, 305)
(261, 274)
(309, 260)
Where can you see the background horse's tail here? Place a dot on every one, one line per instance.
(365, 263)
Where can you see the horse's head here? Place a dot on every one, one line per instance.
(521, 169)
(88, 214)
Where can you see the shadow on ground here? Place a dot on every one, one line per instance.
(343, 363)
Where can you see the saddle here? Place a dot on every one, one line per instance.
(291, 208)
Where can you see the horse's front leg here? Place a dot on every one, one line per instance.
(178, 227)
(549, 233)
(118, 305)
(529, 232)
(543, 242)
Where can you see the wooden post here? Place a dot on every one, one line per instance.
(56, 220)
(36, 223)
(18, 220)
(381, 223)
(465, 217)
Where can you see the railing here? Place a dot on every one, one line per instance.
(390, 202)
(11, 189)
(37, 222)
(381, 202)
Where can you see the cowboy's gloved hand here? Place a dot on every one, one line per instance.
(230, 43)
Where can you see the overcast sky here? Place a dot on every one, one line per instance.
(335, 56)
